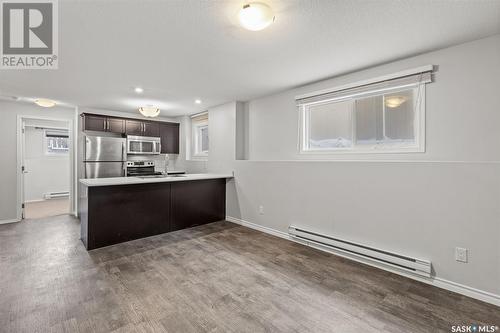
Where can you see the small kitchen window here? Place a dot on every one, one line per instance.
(56, 142)
(384, 116)
(200, 135)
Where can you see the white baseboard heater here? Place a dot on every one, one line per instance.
(54, 195)
(399, 261)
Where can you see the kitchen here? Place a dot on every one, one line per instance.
(122, 182)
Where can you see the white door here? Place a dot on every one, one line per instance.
(24, 171)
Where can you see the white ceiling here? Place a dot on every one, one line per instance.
(182, 50)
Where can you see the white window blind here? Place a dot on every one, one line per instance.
(200, 117)
(369, 88)
(199, 136)
(56, 141)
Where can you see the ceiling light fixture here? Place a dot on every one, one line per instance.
(197, 101)
(394, 101)
(139, 90)
(149, 111)
(46, 103)
(256, 16)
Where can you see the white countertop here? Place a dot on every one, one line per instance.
(137, 180)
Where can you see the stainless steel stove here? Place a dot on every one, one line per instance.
(141, 168)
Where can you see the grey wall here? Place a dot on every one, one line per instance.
(419, 204)
(462, 108)
(8, 150)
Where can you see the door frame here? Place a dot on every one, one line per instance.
(20, 145)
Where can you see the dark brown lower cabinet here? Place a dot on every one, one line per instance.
(197, 202)
(115, 214)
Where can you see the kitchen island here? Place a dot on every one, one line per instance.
(115, 210)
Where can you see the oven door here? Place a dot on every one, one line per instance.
(143, 145)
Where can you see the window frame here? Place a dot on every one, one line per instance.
(63, 153)
(197, 127)
(419, 126)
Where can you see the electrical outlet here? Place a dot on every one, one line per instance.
(261, 210)
(460, 254)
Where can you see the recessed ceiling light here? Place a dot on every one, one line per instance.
(46, 103)
(256, 16)
(197, 101)
(149, 111)
(10, 98)
(139, 90)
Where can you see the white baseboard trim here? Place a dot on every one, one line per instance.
(258, 227)
(9, 221)
(435, 281)
(34, 200)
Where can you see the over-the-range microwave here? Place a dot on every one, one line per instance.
(143, 145)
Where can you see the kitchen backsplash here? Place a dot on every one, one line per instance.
(159, 161)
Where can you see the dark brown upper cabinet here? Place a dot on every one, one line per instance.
(94, 123)
(116, 125)
(134, 127)
(151, 129)
(103, 124)
(142, 128)
(169, 134)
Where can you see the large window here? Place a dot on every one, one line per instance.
(56, 142)
(199, 135)
(382, 117)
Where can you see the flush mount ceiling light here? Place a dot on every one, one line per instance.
(138, 90)
(394, 101)
(256, 16)
(197, 101)
(46, 103)
(149, 111)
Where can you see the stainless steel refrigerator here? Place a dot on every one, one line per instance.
(105, 157)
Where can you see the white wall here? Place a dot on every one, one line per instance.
(45, 173)
(8, 150)
(421, 204)
(183, 162)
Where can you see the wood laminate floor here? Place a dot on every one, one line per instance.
(215, 278)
